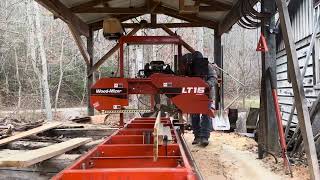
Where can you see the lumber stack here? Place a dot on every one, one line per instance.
(29, 132)
(31, 157)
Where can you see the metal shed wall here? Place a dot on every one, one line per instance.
(302, 24)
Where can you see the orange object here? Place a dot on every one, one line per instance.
(262, 44)
(128, 154)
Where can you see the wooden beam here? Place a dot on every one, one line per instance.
(142, 10)
(210, 9)
(77, 38)
(31, 157)
(110, 53)
(297, 85)
(184, 44)
(91, 3)
(269, 62)
(168, 25)
(99, 24)
(61, 11)
(153, 19)
(91, 79)
(221, 6)
(218, 60)
(152, 5)
(108, 10)
(29, 132)
(231, 18)
(186, 17)
(187, 9)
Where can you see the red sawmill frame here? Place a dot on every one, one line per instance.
(126, 155)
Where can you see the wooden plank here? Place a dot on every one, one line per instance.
(156, 136)
(309, 92)
(300, 99)
(283, 68)
(35, 156)
(284, 75)
(307, 82)
(301, 53)
(30, 132)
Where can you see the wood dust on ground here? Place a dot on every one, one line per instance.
(230, 156)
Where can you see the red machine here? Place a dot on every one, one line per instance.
(112, 93)
(134, 152)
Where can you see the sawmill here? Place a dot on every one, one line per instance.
(149, 141)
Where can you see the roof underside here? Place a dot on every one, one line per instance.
(85, 14)
(88, 18)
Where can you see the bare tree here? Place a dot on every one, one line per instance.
(60, 77)
(45, 84)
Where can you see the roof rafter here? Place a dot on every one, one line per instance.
(223, 6)
(89, 4)
(231, 18)
(160, 25)
(186, 17)
(61, 11)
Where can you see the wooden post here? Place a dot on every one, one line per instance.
(269, 61)
(297, 85)
(219, 63)
(90, 79)
(179, 58)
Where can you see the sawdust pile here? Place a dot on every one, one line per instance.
(230, 156)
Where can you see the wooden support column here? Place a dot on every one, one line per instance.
(90, 79)
(218, 61)
(299, 95)
(178, 71)
(268, 122)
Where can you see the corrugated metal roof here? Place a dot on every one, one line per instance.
(172, 4)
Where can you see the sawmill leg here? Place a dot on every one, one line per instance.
(297, 85)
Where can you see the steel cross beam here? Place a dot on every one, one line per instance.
(144, 40)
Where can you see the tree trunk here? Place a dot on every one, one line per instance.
(60, 77)
(18, 80)
(45, 84)
(31, 45)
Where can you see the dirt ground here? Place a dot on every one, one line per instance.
(230, 156)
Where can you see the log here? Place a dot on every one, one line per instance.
(29, 132)
(27, 145)
(95, 133)
(35, 156)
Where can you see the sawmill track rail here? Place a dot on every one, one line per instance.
(129, 154)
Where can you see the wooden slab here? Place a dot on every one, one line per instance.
(156, 136)
(29, 132)
(34, 156)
